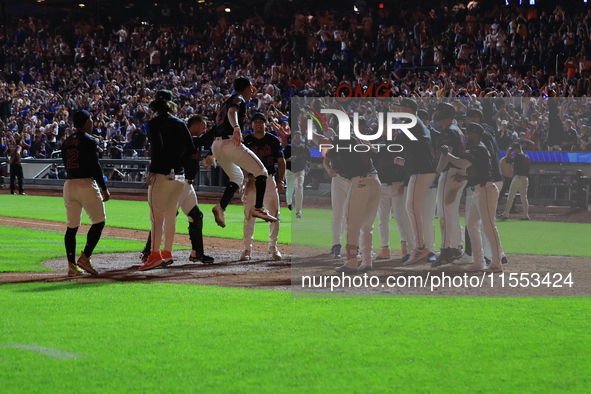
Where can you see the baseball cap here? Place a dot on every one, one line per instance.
(505, 122)
(444, 111)
(475, 128)
(258, 115)
(522, 133)
(410, 103)
(474, 113)
(423, 114)
(164, 94)
(515, 145)
(80, 118)
(362, 121)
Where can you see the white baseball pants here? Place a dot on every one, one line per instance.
(79, 194)
(518, 184)
(449, 192)
(418, 186)
(481, 212)
(232, 158)
(271, 202)
(295, 183)
(362, 209)
(163, 198)
(339, 192)
(392, 204)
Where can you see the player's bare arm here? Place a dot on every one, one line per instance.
(233, 118)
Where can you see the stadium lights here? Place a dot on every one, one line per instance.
(355, 8)
(228, 10)
(81, 5)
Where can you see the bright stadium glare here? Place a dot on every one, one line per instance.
(228, 10)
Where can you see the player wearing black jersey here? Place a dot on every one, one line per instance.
(520, 182)
(267, 147)
(477, 159)
(84, 188)
(232, 155)
(188, 199)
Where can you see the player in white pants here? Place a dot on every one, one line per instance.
(297, 156)
(392, 203)
(520, 182)
(339, 192)
(295, 190)
(267, 148)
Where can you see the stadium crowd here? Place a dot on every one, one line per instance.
(517, 55)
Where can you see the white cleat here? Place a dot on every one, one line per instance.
(474, 267)
(261, 213)
(275, 254)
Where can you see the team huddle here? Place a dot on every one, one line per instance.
(427, 177)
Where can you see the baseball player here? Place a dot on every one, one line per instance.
(232, 155)
(188, 199)
(16, 168)
(81, 191)
(520, 182)
(507, 173)
(393, 179)
(171, 150)
(450, 187)
(297, 157)
(267, 147)
(430, 202)
(340, 185)
(362, 203)
(419, 164)
(482, 207)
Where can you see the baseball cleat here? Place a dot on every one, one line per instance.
(418, 255)
(403, 249)
(245, 256)
(219, 215)
(502, 218)
(384, 254)
(432, 257)
(474, 267)
(154, 260)
(261, 213)
(86, 264)
(347, 270)
(298, 215)
(205, 259)
(289, 207)
(442, 258)
(74, 270)
(465, 260)
(405, 258)
(167, 257)
(275, 254)
(144, 257)
(455, 254)
(364, 268)
(504, 260)
(336, 251)
(525, 218)
(486, 260)
(493, 269)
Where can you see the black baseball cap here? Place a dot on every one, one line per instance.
(80, 118)
(445, 111)
(475, 128)
(423, 114)
(410, 103)
(164, 94)
(258, 115)
(474, 113)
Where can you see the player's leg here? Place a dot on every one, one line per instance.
(174, 189)
(417, 189)
(289, 186)
(248, 161)
(73, 216)
(354, 216)
(12, 178)
(272, 204)
(372, 202)
(189, 204)
(487, 207)
(384, 209)
(20, 176)
(92, 202)
(428, 213)
(339, 191)
(473, 225)
(248, 199)
(299, 191)
(220, 151)
(513, 189)
(523, 185)
(401, 216)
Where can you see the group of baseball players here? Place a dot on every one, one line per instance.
(175, 156)
(427, 178)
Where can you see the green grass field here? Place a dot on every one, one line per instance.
(540, 238)
(147, 337)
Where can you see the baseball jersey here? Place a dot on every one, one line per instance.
(490, 142)
(353, 163)
(453, 137)
(418, 155)
(521, 163)
(301, 154)
(223, 127)
(480, 172)
(80, 157)
(268, 149)
(171, 145)
(192, 165)
(388, 172)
